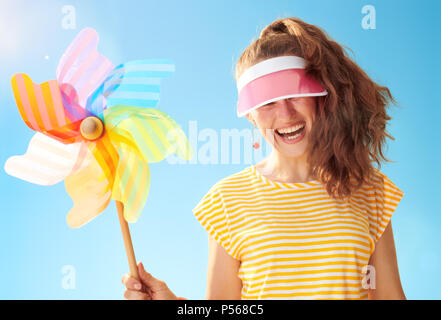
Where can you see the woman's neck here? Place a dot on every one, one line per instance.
(285, 169)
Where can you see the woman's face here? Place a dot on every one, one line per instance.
(278, 122)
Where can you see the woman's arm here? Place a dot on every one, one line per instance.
(223, 282)
(387, 278)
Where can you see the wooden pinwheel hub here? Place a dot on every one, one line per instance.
(91, 128)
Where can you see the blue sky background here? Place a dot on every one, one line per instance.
(204, 39)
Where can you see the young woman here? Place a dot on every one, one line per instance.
(312, 220)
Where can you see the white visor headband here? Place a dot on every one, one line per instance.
(275, 79)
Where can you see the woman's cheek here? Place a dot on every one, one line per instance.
(268, 134)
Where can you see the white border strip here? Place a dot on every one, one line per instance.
(269, 66)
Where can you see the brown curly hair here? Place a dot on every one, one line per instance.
(351, 119)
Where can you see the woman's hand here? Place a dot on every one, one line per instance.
(148, 288)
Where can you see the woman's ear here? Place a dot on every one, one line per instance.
(250, 118)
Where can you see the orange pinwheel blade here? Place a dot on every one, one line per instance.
(41, 107)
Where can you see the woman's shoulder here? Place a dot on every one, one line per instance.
(236, 179)
(377, 182)
(224, 188)
(377, 179)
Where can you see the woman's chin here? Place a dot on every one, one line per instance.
(293, 150)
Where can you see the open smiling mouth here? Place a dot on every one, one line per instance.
(292, 133)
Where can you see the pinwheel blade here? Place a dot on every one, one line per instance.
(135, 83)
(105, 155)
(155, 134)
(42, 109)
(90, 191)
(132, 182)
(82, 68)
(47, 161)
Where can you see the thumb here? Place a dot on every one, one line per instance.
(149, 280)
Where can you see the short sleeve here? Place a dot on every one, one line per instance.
(212, 214)
(387, 196)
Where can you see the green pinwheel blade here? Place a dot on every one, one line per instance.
(153, 133)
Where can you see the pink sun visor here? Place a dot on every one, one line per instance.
(275, 79)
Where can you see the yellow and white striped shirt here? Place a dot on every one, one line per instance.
(295, 241)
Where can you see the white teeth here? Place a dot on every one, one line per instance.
(291, 129)
(293, 137)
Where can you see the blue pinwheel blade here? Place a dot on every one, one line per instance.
(135, 83)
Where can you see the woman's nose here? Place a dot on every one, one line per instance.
(285, 109)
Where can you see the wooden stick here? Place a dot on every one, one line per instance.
(127, 240)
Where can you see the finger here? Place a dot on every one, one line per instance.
(151, 282)
(136, 295)
(131, 283)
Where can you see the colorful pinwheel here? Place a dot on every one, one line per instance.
(97, 130)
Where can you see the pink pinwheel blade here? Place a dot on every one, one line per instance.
(82, 66)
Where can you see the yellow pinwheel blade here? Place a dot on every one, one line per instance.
(90, 191)
(155, 134)
(106, 155)
(132, 182)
